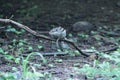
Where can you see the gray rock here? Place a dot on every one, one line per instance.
(83, 26)
(118, 3)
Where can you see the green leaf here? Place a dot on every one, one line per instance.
(30, 48)
(70, 35)
(40, 47)
(20, 44)
(59, 60)
(1, 50)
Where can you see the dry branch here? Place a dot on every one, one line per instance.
(25, 28)
(39, 35)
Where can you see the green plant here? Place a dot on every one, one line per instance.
(12, 29)
(106, 71)
(15, 49)
(26, 74)
(72, 52)
(113, 56)
(39, 46)
(6, 76)
(70, 35)
(83, 35)
(6, 55)
(25, 62)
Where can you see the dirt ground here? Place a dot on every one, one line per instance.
(49, 14)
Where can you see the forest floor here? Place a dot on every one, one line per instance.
(104, 14)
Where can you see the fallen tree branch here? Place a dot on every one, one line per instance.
(25, 28)
(48, 54)
(39, 35)
(76, 47)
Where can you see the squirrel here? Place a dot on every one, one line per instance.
(58, 33)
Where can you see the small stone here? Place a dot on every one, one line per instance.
(83, 26)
